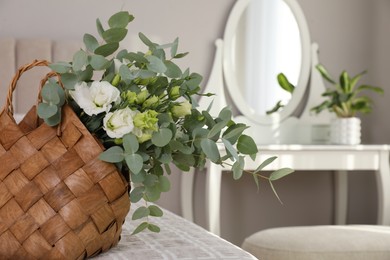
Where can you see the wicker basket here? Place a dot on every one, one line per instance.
(57, 199)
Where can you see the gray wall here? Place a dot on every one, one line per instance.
(352, 35)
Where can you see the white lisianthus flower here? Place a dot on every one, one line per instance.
(181, 110)
(97, 98)
(118, 123)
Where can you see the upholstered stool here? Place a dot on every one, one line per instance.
(351, 242)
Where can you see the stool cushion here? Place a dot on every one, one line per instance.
(355, 242)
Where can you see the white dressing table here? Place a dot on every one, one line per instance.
(293, 134)
(338, 158)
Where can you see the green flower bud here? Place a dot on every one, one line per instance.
(116, 80)
(129, 96)
(141, 97)
(174, 93)
(151, 102)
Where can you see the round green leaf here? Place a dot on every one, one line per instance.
(107, 49)
(280, 173)
(79, 60)
(141, 212)
(113, 155)
(50, 94)
(54, 120)
(164, 183)
(46, 110)
(210, 148)
(134, 162)
(114, 35)
(69, 80)
(155, 211)
(238, 168)
(155, 64)
(136, 194)
(130, 143)
(60, 67)
(120, 19)
(140, 228)
(90, 42)
(153, 228)
(162, 137)
(98, 62)
(246, 145)
(173, 71)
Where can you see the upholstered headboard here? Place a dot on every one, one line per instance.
(17, 52)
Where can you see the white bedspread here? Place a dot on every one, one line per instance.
(178, 239)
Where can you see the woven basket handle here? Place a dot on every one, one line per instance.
(8, 107)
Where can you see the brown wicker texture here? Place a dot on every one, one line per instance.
(57, 199)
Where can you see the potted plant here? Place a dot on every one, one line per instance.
(344, 98)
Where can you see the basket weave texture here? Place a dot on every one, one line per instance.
(57, 199)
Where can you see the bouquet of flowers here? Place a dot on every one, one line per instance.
(142, 108)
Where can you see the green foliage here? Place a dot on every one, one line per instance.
(285, 85)
(166, 128)
(343, 97)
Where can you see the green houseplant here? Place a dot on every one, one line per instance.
(142, 108)
(345, 99)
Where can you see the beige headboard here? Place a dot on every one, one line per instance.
(17, 52)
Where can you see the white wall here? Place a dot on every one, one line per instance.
(352, 34)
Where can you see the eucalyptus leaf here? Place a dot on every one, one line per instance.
(153, 228)
(210, 148)
(180, 55)
(107, 49)
(172, 71)
(162, 137)
(229, 147)
(98, 62)
(130, 143)
(114, 35)
(152, 193)
(216, 129)
(146, 41)
(50, 94)
(155, 64)
(238, 168)
(265, 163)
(99, 27)
(54, 120)
(113, 155)
(155, 211)
(140, 228)
(120, 19)
(90, 42)
(46, 110)
(69, 80)
(174, 47)
(136, 194)
(246, 145)
(80, 59)
(164, 183)
(134, 162)
(276, 175)
(60, 67)
(125, 73)
(141, 212)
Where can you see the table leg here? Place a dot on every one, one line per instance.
(383, 184)
(341, 197)
(213, 198)
(187, 193)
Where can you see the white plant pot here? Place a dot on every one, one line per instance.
(345, 131)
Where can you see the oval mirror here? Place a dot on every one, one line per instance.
(262, 39)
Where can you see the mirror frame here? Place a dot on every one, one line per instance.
(229, 66)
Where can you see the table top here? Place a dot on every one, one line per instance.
(178, 239)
